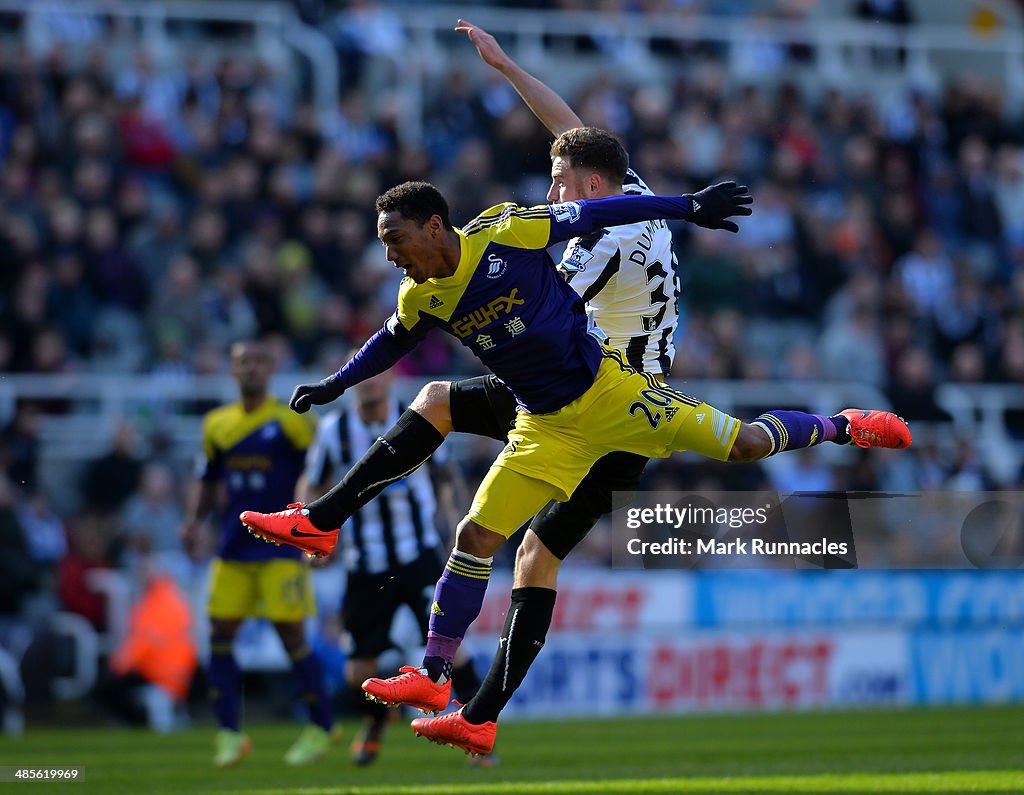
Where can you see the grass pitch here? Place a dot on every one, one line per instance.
(972, 750)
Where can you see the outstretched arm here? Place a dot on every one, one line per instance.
(710, 208)
(546, 105)
(378, 354)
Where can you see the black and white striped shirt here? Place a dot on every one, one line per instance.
(396, 527)
(627, 277)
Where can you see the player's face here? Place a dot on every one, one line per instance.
(567, 183)
(413, 247)
(251, 367)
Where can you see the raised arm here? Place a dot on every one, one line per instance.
(546, 105)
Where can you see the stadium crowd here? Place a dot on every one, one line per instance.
(151, 216)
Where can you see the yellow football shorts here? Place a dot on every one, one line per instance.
(279, 590)
(547, 455)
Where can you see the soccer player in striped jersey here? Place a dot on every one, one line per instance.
(390, 549)
(492, 285)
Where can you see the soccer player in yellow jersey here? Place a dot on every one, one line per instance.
(492, 285)
(255, 450)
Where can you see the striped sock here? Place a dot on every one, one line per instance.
(795, 430)
(457, 601)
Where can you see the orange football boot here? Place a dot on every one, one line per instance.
(413, 687)
(291, 527)
(877, 429)
(453, 729)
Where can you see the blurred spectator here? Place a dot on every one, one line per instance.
(19, 446)
(152, 515)
(965, 470)
(177, 304)
(109, 480)
(156, 240)
(353, 132)
(89, 541)
(927, 273)
(851, 349)
(44, 531)
(20, 573)
(967, 364)
(965, 314)
(153, 667)
(1011, 362)
(23, 316)
(71, 302)
(913, 390)
(1009, 192)
(980, 222)
(228, 315)
(113, 272)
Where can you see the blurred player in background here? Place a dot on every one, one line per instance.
(390, 549)
(254, 450)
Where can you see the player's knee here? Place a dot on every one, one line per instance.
(752, 444)
(536, 565)
(433, 403)
(477, 540)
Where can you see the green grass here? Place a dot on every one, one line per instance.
(914, 751)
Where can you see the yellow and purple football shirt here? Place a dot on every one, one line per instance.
(258, 455)
(508, 304)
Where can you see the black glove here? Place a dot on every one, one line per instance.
(715, 203)
(306, 395)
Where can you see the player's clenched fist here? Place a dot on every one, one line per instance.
(306, 395)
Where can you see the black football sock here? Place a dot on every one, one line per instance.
(395, 455)
(522, 638)
(465, 681)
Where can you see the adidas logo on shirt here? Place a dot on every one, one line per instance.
(435, 302)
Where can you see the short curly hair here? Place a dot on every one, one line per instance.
(418, 201)
(593, 149)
